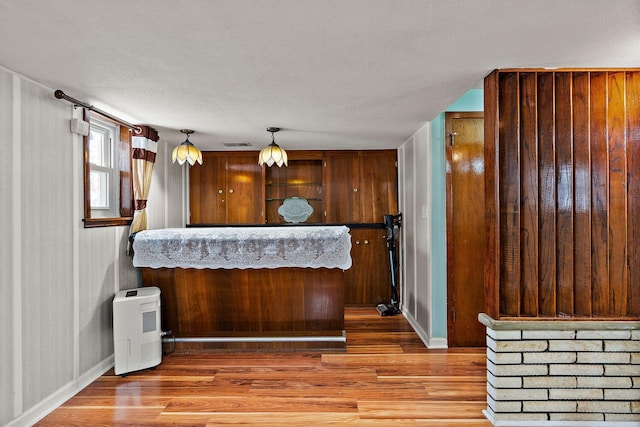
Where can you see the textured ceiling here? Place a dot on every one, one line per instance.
(333, 74)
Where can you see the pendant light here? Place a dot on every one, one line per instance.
(187, 152)
(272, 153)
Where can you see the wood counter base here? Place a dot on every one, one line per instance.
(282, 308)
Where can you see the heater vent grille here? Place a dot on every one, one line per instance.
(237, 144)
(150, 351)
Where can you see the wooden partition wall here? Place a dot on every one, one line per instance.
(562, 168)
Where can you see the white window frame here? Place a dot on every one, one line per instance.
(110, 208)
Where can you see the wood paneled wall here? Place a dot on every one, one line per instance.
(562, 159)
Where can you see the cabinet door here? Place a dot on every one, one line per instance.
(342, 177)
(368, 281)
(244, 190)
(378, 185)
(207, 198)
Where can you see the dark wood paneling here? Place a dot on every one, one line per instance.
(633, 173)
(582, 189)
(249, 302)
(616, 121)
(580, 129)
(492, 199)
(509, 176)
(599, 195)
(529, 192)
(563, 132)
(546, 196)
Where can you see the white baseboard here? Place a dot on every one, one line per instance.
(428, 341)
(438, 343)
(64, 393)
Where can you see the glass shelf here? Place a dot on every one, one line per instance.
(276, 199)
(290, 184)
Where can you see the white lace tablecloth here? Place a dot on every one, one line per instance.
(244, 247)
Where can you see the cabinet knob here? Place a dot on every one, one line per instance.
(366, 242)
(355, 190)
(357, 242)
(220, 191)
(231, 190)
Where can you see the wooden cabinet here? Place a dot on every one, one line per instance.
(227, 189)
(368, 281)
(342, 177)
(361, 186)
(343, 187)
(378, 185)
(353, 187)
(302, 178)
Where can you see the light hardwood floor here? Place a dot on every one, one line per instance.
(385, 378)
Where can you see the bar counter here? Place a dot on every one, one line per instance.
(248, 287)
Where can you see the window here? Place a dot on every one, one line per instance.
(103, 177)
(107, 176)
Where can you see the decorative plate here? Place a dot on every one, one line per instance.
(295, 210)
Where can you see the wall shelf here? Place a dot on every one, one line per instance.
(276, 199)
(292, 184)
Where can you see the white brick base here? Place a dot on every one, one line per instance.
(573, 373)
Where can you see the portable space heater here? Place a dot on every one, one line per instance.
(137, 335)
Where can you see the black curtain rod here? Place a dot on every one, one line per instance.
(61, 95)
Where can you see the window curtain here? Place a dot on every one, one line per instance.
(144, 146)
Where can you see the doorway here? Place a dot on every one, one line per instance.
(464, 136)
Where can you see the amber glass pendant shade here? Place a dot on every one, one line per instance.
(186, 152)
(272, 154)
